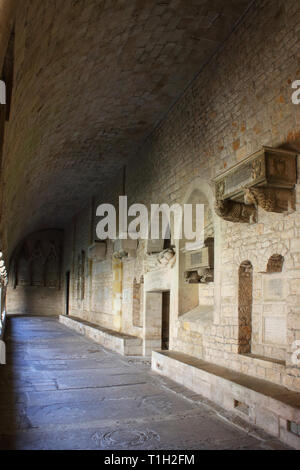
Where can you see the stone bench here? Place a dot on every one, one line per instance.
(268, 406)
(123, 344)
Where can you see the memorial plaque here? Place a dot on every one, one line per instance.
(274, 288)
(275, 330)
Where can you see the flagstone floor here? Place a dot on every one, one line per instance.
(60, 390)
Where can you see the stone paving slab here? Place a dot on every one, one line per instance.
(74, 394)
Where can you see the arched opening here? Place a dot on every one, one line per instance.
(275, 264)
(245, 307)
(196, 264)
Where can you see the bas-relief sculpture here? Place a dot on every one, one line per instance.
(233, 211)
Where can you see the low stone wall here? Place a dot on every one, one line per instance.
(270, 407)
(122, 344)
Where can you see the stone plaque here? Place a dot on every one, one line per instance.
(274, 288)
(242, 176)
(275, 331)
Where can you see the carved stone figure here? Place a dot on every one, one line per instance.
(257, 169)
(166, 258)
(233, 211)
(201, 276)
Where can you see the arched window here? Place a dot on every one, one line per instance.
(245, 307)
(275, 264)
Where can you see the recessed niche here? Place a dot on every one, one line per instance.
(275, 264)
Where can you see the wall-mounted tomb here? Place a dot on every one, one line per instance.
(266, 179)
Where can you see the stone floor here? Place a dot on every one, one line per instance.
(60, 390)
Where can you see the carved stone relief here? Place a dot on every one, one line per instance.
(245, 307)
(232, 211)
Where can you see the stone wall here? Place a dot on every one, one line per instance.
(35, 284)
(240, 101)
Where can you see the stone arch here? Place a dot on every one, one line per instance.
(243, 254)
(245, 301)
(199, 191)
(279, 249)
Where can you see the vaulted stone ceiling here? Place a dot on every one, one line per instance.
(92, 78)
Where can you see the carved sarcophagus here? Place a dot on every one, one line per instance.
(266, 179)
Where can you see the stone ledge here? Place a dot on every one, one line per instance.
(118, 342)
(262, 403)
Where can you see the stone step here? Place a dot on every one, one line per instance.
(123, 344)
(268, 406)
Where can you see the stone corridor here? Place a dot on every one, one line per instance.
(60, 390)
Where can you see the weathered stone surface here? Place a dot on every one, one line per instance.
(92, 79)
(62, 391)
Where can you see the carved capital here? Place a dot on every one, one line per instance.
(233, 211)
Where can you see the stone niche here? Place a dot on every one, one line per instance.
(266, 179)
(271, 333)
(196, 266)
(199, 264)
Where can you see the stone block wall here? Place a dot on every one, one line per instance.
(35, 278)
(239, 102)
